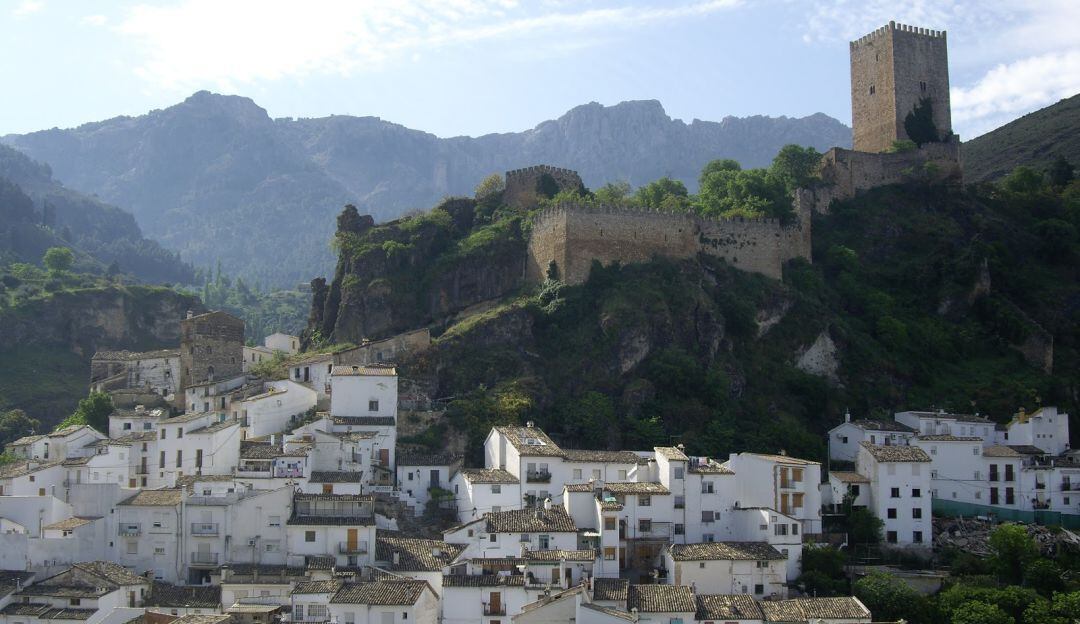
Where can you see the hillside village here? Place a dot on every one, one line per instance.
(222, 492)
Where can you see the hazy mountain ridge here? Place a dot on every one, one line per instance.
(1036, 139)
(216, 178)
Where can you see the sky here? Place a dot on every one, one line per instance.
(472, 67)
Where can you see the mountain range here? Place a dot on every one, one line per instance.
(217, 179)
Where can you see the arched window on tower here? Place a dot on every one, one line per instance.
(209, 373)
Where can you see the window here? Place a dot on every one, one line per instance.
(179, 432)
(796, 475)
(644, 525)
(596, 473)
(179, 458)
(706, 516)
(916, 537)
(890, 537)
(706, 487)
(127, 426)
(492, 538)
(622, 475)
(895, 493)
(410, 476)
(373, 406)
(317, 611)
(159, 550)
(891, 513)
(645, 500)
(797, 500)
(916, 493)
(609, 553)
(132, 547)
(871, 89)
(274, 521)
(922, 86)
(496, 489)
(795, 529)
(1010, 498)
(273, 547)
(759, 589)
(978, 476)
(679, 472)
(779, 529)
(680, 502)
(854, 489)
(975, 451)
(762, 565)
(916, 513)
(708, 538)
(299, 612)
(844, 439)
(74, 602)
(577, 473)
(610, 524)
(680, 529)
(701, 565)
(309, 536)
(544, 541)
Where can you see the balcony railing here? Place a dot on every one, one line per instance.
(494, 609)
(204, 558)
(346, 548)
(204, 528)
(1040, 486)
(994, 476)
(130, 530)
(655, 530)
(1069, 486)
(1040, 504)
(538, 476)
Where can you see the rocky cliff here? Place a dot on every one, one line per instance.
(216, 178)
(46, 343)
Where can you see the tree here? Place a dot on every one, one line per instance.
(94, 410)
(1023, 179)
(58, 259)
(715, 166)
(976, 612)
(795, 166)
(15, 424)
(863, 526)
(490, 187)
(1060, 172)
(663, 193)
(1044, 576)
(919, 123)
(546, 186)
(887, 597)
(1012, 549)
(613, 193)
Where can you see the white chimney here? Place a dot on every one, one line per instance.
(847, 416)
(397, 557)
(529, 424)
(547, 503)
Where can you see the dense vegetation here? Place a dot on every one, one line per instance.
(263, 311)
(1016, 585)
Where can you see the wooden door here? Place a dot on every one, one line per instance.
(351, 539)
(327, 488)
(495, 600)
(384, 457)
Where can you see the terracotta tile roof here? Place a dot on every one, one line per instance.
(896, 454)
(724, 551)
(530, 521)
(785, 459)
(704, 465)
(266, 572)
(70, 429)
(487, 475)
(68, 614)
(190, 597)
(334, 476)
(610, 505)
(10, 580)
(578, 487)
(560, 555)
(364, 421)
(999, 451)
(397, 593)
(868, 424)
(660, 599)
(848, 477)
(207, 618)
(949, 438)
(154, 498)
(636, 487)
(530, 441)
(23, 468)
(30, 439)
(1027, 449)
(416, 457)
(727, 607)
(77, 461)
(610, 589)
(25, 608)
(112, 572)
(71, 523)
(610, 457)
(971, 418)
(483, 580)
(64, 589)
(618, 613)
(136, 355)
(414, 554)
(350, 498)
(671, 453)
(370, 370)
(317, 562)
(214, 427)
(318, 587)
(811, 609)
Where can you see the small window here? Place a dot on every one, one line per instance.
(916, 513)
(492, 538)
(895, 493)
(679, 472)
(609, 553)
(645, 500)
(891, 537)
(916, 537)
(496, 489)
(759, 589)
(373, 406)
(916, 493)
(274, 521)
(309, 536)
(891, 514)
(844, 439)
(871, 89)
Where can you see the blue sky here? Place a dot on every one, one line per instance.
(456, 67)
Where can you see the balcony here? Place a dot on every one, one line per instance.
(204, 558)
(654, 531)
(994, 476)
(359, 548)
(204, 528)
(1068, 486)
(1040, 486)
(1035, 504)
(498, 609)
(538, 476)
(130, 530)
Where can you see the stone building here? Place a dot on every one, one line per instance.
(892, 70)
(211, 348)
(524, 185)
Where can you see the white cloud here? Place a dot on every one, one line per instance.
(95, 20)
(27, 7)
(1007, 91)
(200, 43)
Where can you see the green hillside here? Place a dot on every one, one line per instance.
(1035, 140)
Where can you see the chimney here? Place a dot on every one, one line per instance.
(529, 424)
(190, 314)
(783, 453)
(547, 503)
(436, 552)
(397, 557)
(847, 416)
(139, 409)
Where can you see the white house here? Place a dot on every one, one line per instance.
(754, 568)
(273, 410)
(471, 598)
(139, 419)
(661, 603)
(480, 490)
(786, 484)
(510, 533)
(149, 531)
(286, 343)
(844, 439)
(337, 525)
(314, 371)
(944, 423)
(419, 472)
(899, 491)
(399, 601)
(1044, 428)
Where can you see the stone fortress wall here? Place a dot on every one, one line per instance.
(892, 69)
(574, 235)
(521, 183)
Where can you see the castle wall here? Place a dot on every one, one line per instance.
(211, 347)
(893, 68)
(521, 183)
(845, 173)
(574, 236)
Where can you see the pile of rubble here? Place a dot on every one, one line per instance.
(973, 535)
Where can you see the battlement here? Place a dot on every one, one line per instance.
(893, 26)
(539, 169)
(631, 210)
(522, 184)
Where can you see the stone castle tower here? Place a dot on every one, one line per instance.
(892, 69)
(211, 348)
